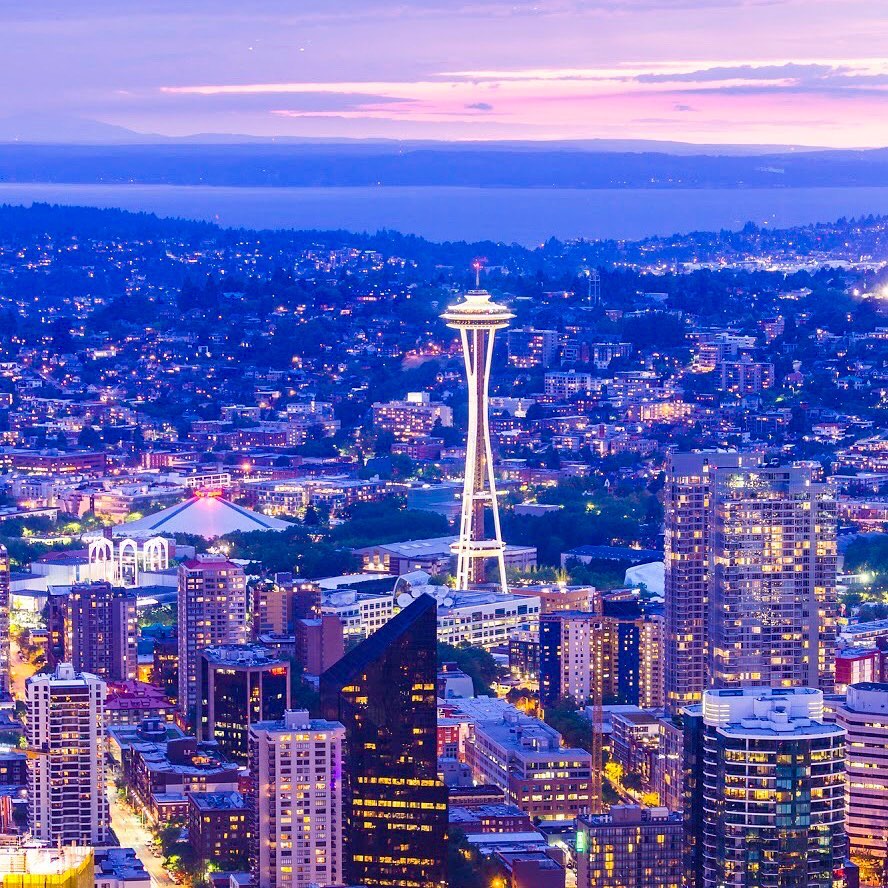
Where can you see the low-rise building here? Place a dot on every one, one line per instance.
(219, 829)
(525, 758)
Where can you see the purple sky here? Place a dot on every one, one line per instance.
(811, 72)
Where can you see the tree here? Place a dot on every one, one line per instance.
(573, 727)
(90, 438)
(477, 663)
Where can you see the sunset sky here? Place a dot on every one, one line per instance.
(805, 72)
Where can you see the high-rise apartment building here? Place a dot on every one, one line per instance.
(766, 803)
(651, 686)
(750, 576)
(630, 847)
(66, 770)
(94, 626)
(295, 769)
(384, 692)
(212, 611)
(4, 622)
(772, 605)
(567, 654)
(864, 716)
(687, 503)
(623, 644)
(278, 603)
(239, 685)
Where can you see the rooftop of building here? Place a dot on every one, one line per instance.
(458, 814)
(297, 720)
(876, 686)
(243, 655)
(617, 553)
(43, 861)
(207, 802)
(205, 515)
(135, 695)
(354, 662)
(529, 738)
(120, 863)
(632, 815)
(766, 712)
(865, 628)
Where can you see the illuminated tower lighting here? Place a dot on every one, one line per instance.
(478, 318)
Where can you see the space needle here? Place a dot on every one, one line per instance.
(478, 318)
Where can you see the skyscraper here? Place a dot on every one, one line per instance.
(4, 622)
(767, 806)
(750, 576)
(212, 611)
(384, 693)
(66, 736)
(239, 685)
(296, 789)
(478, 318)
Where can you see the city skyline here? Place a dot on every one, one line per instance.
(733, 72)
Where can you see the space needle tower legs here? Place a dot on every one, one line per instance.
(478, 318)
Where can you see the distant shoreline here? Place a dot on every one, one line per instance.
(526, 216)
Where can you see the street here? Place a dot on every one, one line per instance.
(131, 834)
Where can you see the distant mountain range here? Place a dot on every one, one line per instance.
(75, 151)
(43, 129)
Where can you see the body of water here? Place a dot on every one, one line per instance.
(523, 215)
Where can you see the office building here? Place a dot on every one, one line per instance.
(525, 758)
(750, 576)
(383, 692)
(96, 628)
(766, 801)
(66, 736)
(864, 716)
(297, 802)
(630, 847)
(237, 686)
(212, 611)
(478, 318)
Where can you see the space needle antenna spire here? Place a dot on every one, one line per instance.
(478, 318)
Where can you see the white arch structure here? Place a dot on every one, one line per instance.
(123, 562)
